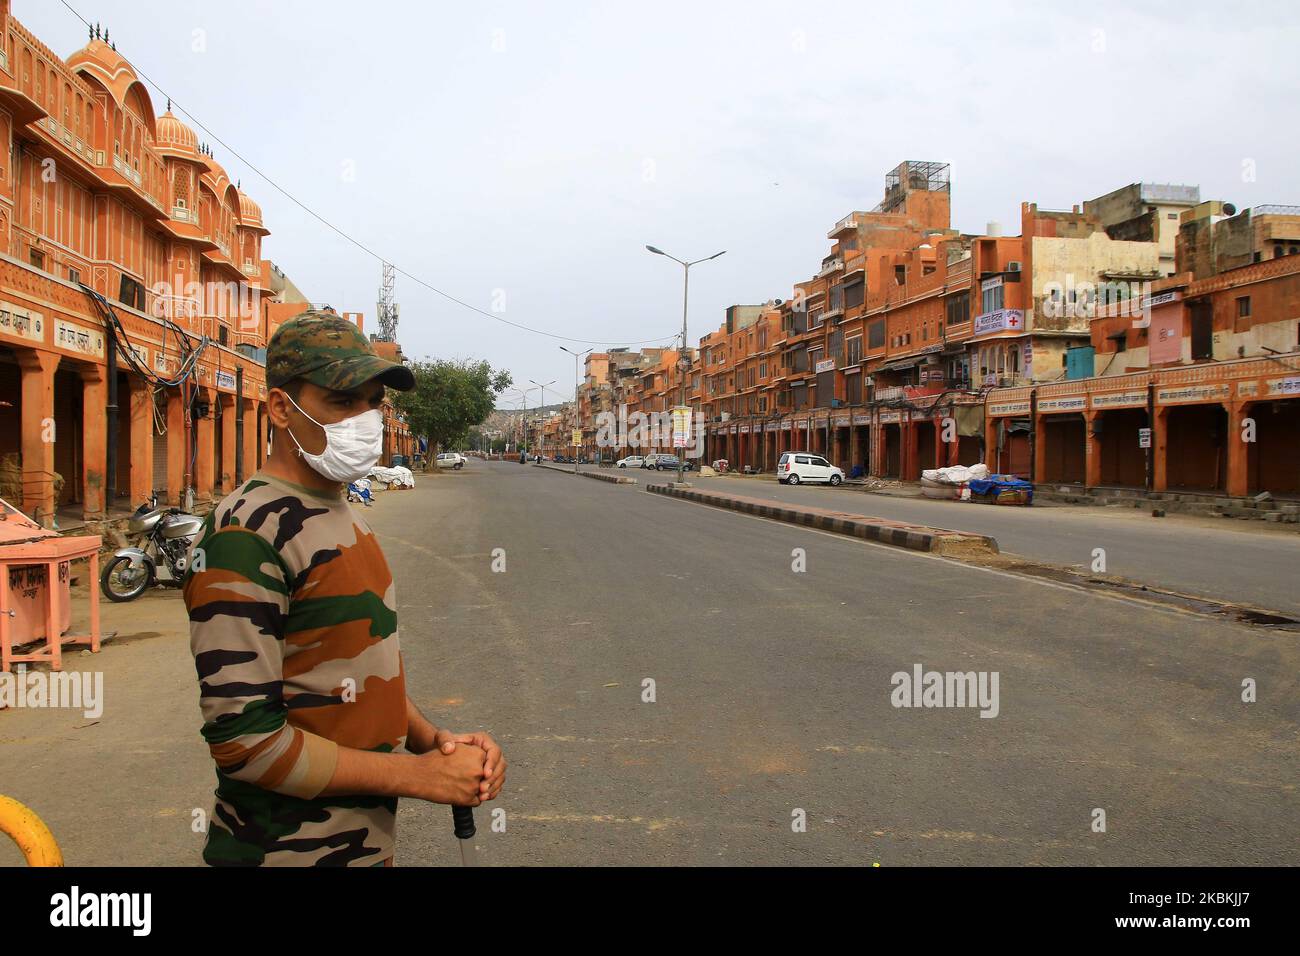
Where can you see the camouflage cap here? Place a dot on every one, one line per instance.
(328, 350)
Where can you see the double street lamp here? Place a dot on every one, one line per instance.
(542, 402)
(577, 357)
(523, 420)
(683, 363)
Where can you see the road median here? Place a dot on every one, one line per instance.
(612, 479)
(900, 534)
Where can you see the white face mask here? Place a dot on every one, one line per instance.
(352, 446)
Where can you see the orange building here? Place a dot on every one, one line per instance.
(398, 440)
(135, 303)
(880, 360)
(1195, 388)
(916, 346)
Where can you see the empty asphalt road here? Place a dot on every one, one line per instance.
(1247, 562)
(772, 694)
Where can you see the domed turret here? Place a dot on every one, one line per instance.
(174, 138)
(250, 213)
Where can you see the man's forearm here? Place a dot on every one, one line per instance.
(385, 774)
(375, 773)
(420, 732)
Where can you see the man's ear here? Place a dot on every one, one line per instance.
(278, 407)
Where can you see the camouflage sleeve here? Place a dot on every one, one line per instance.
(237, 594)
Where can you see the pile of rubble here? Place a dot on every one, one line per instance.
(871, 483)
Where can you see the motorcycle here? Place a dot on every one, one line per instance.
(159, 557)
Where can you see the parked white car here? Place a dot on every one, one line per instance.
(451, 459)
(799, 466)
(631, 461)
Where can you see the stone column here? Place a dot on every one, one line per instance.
(229, 409)
(37, 371)
(94, 439)
(1040, 449)
(178, 447)
(1237, 481)
(204, 464)
(1160, 448)
(1092, 450)
(249, 408)
(908, 460)
(991, 456)
(140, 422)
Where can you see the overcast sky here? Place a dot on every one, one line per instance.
(523, 154)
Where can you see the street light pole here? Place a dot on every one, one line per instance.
(542, 406)
(576, 381)
(682, 363)
(523, 422)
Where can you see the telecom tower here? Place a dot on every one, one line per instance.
(386, 310)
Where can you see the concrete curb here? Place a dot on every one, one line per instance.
(913, 537)
(612, 479)
(598, 476)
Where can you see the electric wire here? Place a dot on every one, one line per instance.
(356, 242)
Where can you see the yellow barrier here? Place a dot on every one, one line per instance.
(31, 834)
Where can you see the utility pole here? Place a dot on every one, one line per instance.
(541, 408)
(683, 363)
(576, 384)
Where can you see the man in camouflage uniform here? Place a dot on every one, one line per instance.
(293, 628)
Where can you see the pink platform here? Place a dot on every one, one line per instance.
(30, 609)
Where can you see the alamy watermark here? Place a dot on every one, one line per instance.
(647, 430)
(235, 301)
(1084, 298)
(74, 908)
(922, 688)
(76, 690)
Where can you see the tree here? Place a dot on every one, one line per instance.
(450, 398)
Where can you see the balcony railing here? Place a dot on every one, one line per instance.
(829, 266)
(848, 222)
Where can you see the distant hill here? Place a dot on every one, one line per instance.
(533, 410)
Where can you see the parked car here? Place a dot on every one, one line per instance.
(451, 459)
(671, 463)
(651, 460)
(631, 461)
(798, 466)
